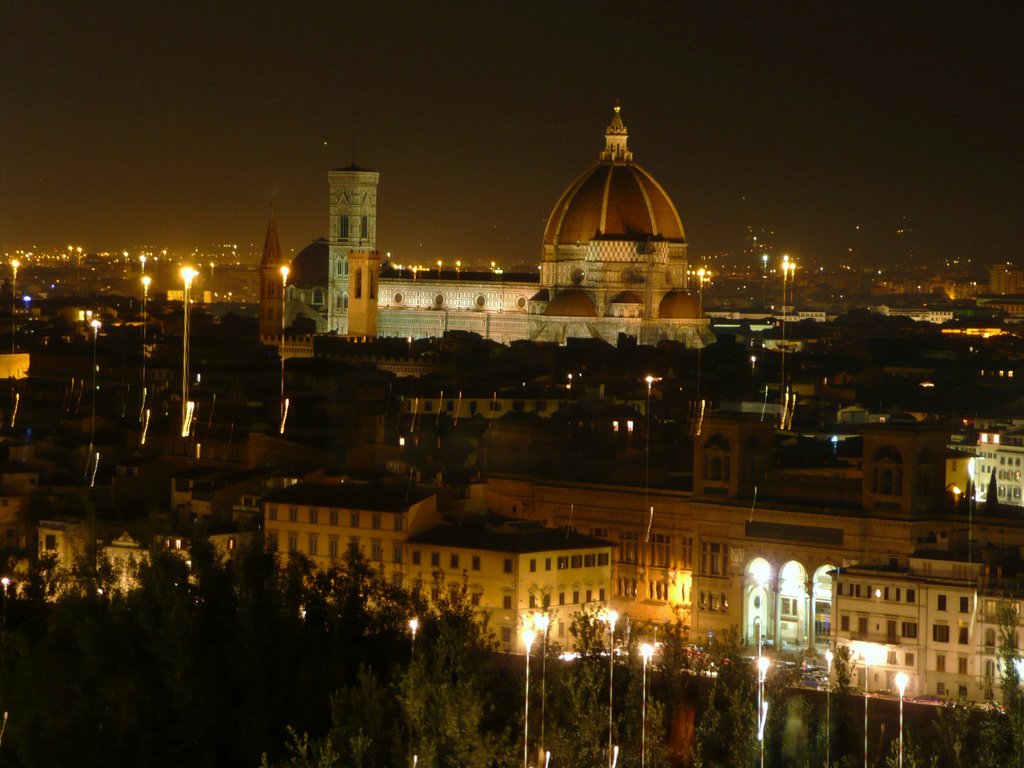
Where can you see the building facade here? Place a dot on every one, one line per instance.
(613, 262)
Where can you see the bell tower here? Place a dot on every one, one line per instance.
(271, 286)
(353, 226)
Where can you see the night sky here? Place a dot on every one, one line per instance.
(175, 125)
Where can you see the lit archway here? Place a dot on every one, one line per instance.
(757, 601)
(821, 604)
(792, 616)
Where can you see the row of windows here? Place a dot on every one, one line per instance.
(656, 590)
(313, 548)
(455, 561)
(892, 594)
(713, 601)
(574, 561)
(355, 517)
(545, 599)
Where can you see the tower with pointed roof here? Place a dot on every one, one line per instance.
(271, 286)
(353, 227)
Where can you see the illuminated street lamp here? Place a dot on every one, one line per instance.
(414, 625)
(901, 686)
(762, 706)
(14, 298)
(542, 621)
(187, 275)
(611, 617)
(828, 709)
(95, 325)
(646, 652)
(871, 655)
(528, 637)
(146, 280)
(284, 307)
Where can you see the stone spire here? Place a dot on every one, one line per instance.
(271, 246)
(615, 149)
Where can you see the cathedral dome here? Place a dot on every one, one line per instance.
(571, 303)
(616, 199)
(679, 305)
(309, 267)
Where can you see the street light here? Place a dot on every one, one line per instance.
(611, 617)
(871, 654)
(146, 280)
(187, 275)
(828, 709)
(528, 637)
(542, 621)
(762, 706)
(14, 298)
(95, 324)
(646, 652)
(414, 624)
(788, 273)
(901, 686)
(284, 307)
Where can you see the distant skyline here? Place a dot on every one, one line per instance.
(129, 123)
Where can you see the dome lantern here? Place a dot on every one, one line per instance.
(615, 136)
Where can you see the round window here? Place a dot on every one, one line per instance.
(577, 276)
(399, 298)
(757, 601)
(480, 301)
(438, 300)
(521, 302)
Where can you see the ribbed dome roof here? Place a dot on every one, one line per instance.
(615, 199)
(310, 265)
(571, 303)
(679, 305)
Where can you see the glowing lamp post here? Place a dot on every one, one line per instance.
(284, 306)
(187, 275)
(95, 325)
(646, 652)
(872, 655)
(414, 625)
(901, 686)
(762, 706)
(542, 621)
(528, 637)
(828, 708)
(14, 296)
(611, 617)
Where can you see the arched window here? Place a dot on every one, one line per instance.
(343, 227)
(359, 284)
(364, 228)
(990, 638)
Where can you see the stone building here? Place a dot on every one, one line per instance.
(613, 262)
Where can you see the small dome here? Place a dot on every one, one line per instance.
(310, 265)
(541, 295)
(679, 305)
(571, 304)
(627, 297)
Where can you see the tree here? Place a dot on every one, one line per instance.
(843, 665)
